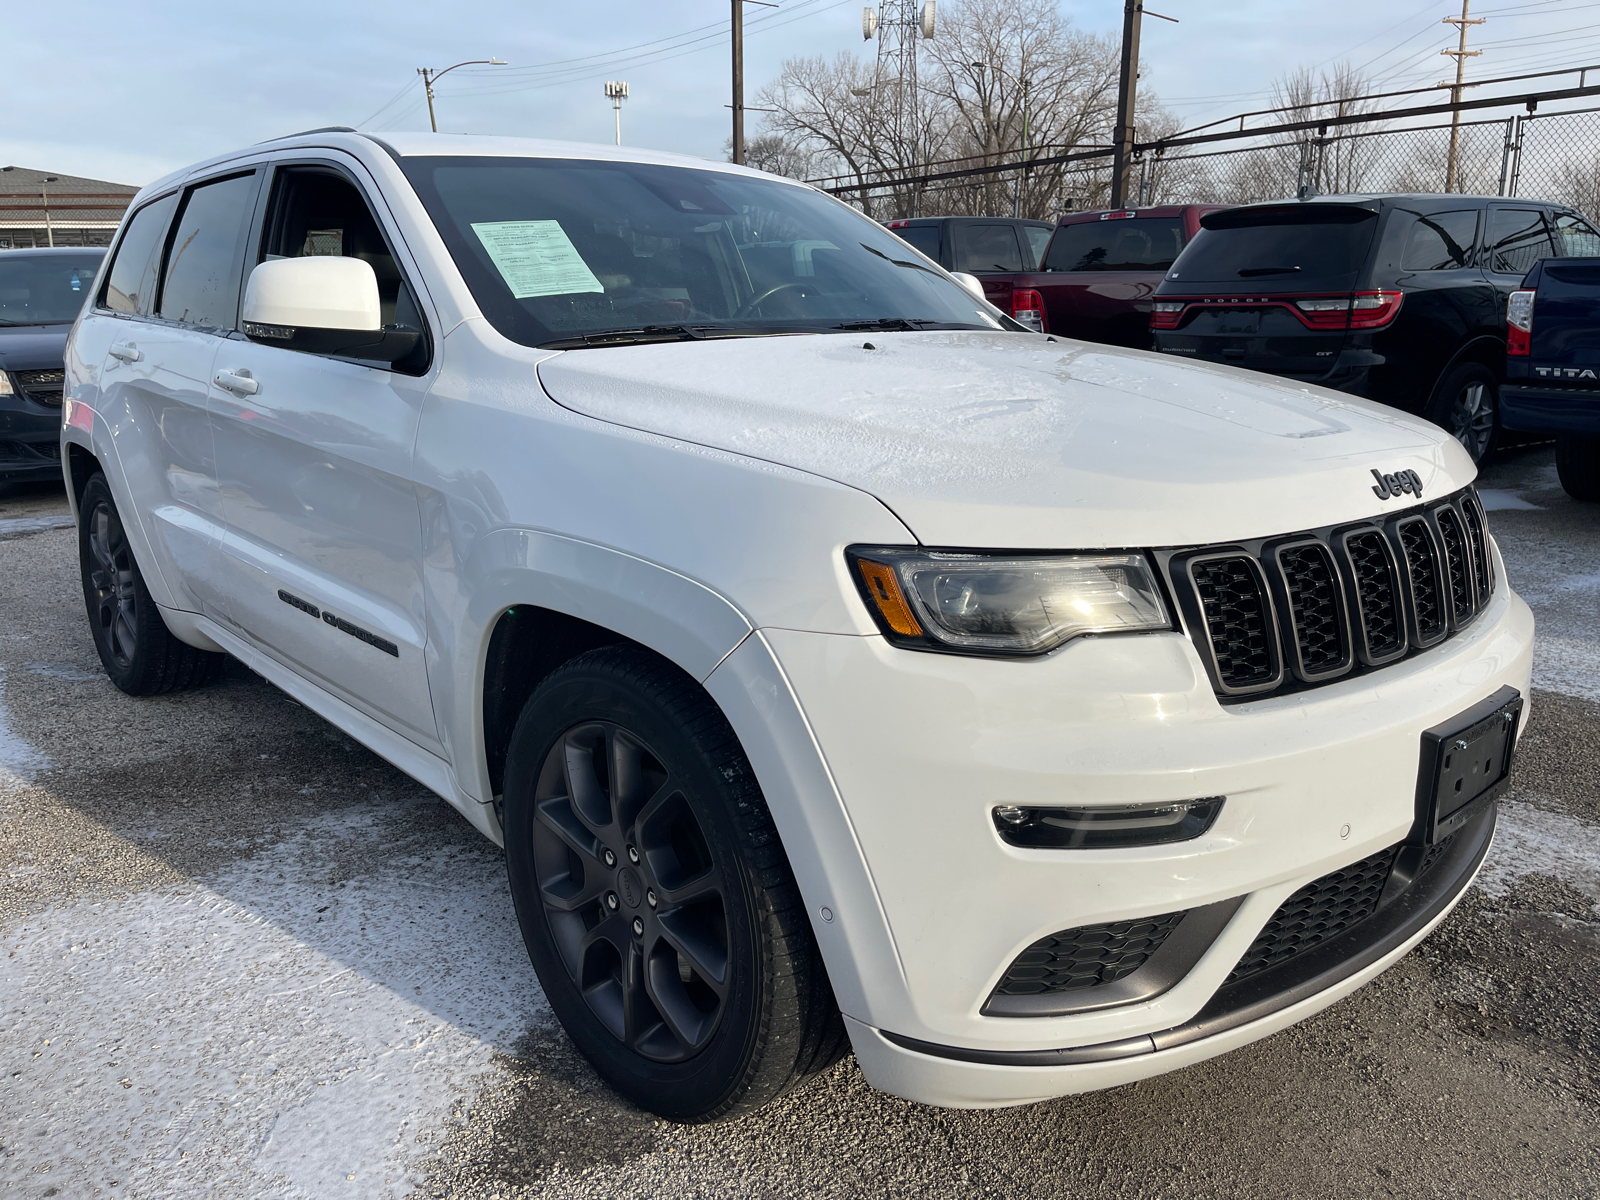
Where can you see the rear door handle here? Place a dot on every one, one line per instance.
(126, 351)
(237, 381)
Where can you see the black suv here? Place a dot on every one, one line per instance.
(978, 245)
(1399, 298)
(41, 292)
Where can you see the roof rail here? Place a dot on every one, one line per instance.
(305, 132)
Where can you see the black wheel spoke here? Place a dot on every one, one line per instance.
(703, 886)
(685, 1021)
(700, 946)
(558, 816)
(589, 799)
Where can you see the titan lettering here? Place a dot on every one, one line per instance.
(1564, 373)
(1396, 483)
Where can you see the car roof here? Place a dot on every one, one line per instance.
(1402, 197)
(415, 145)
(1147, 210)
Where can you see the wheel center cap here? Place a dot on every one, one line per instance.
(630, 886)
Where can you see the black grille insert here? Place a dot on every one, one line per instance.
(1381, 620)
(1238, 618)
(1458, 571)
(1422, 563)
(1086, 957)
(1323, 909)
(1316, 610)
(43, 387)
(1477, 534)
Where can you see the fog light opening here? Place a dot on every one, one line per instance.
(1105, 828)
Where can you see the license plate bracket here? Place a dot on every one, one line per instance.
(1465, 764)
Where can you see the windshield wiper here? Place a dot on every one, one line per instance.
(649, 333)
(902, 324)
(1249, 272)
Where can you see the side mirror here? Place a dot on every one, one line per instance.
(322, 305)
(971, 282)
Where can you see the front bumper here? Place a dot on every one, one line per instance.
(30, 440)
(928, 907)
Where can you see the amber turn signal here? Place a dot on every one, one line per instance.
(884, 589)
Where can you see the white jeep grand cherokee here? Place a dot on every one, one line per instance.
(839, 662)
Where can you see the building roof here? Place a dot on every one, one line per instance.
(71, 198)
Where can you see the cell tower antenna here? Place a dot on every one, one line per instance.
(897, 24)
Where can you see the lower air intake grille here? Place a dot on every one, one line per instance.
(1238, 620)
(1323, 909)
(1086, 957)
(43, 387)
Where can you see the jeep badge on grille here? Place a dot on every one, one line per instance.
(1400, 481)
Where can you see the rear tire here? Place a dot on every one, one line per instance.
(137, 650)
(654, 896)
(1466, 404)
(1578, 465)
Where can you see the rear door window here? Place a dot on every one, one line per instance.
(1576, 237)
(205, 255)
(1441, 241)
(1128, 244)
(1518, 238)
(131, 282)
(1323, 244)
(990, 248)
(1038, 237)
(923, 237)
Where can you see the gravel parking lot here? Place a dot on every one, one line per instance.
(242, 956)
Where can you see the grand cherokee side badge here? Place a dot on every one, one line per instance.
(1400, 481)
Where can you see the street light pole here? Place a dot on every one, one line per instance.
(430, 77)
(49, 230)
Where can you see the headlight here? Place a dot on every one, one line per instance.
(5, 385)
(994, 604)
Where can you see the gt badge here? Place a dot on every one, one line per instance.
(1393, 485)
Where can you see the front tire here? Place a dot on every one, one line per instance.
(1578, 465)
(654, 896)
(1466, 404)
(137, 650)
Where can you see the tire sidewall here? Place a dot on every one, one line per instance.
(97, 492)
(700, 1085)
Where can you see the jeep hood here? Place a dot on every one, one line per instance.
(1015, 441)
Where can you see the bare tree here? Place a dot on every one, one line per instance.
(993, 63)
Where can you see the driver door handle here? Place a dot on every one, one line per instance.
(237, 381)
(126, 351)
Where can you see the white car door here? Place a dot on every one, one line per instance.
(173, 285)
(322, 549)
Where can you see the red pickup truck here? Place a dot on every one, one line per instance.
(1099, 273)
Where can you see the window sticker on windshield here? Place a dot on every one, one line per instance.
(536, 258)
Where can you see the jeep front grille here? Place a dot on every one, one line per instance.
(1292, 612)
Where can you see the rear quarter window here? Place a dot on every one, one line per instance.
(1129, 244)
(922, 237)
(1440, 241)
(131, 281)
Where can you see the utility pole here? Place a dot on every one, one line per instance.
(738, 81)
(1460, 54)
(617, 92)
(1122, 136)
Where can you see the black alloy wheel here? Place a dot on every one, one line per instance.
(654, 895)
(139, 653)
(1467, 404)
(633, 898)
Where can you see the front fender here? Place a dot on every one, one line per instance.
(682, 620)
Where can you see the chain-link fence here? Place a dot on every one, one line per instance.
(1544, 156)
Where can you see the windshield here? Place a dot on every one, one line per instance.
(556, 250)
(1269, 247)
(45, 289)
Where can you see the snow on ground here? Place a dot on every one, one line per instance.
(19, 761)
(1532, 839)
(269, 1033)
(21, 526)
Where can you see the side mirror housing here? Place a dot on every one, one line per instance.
(971, 282)
(322, 305)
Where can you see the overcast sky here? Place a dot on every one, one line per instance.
(128, 92)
